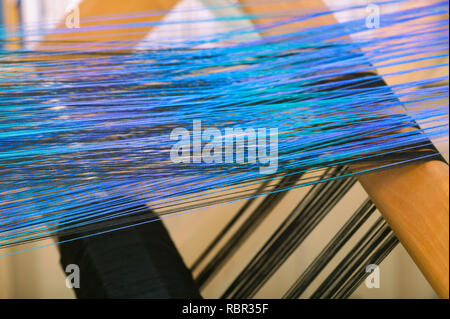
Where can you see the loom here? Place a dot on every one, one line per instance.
(85, 136)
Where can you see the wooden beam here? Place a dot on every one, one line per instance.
(413, 199)
(98, 13)
(11, 21)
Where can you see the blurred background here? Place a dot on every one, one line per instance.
(36, 273)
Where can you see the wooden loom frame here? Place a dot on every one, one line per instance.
(413, 199)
